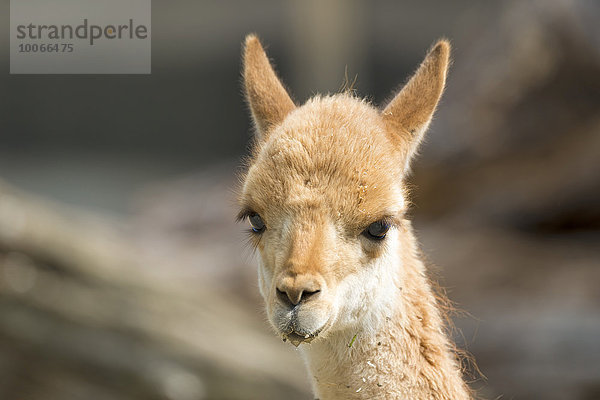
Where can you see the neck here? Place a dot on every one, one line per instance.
(407, 356)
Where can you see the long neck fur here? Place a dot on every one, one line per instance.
(407, 356)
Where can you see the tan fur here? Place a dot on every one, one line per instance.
(409, 113)
(323, 174)
(268, 100)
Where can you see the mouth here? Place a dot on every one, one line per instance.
(296, 339)
(298, 330)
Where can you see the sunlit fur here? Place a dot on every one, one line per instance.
(318, 176)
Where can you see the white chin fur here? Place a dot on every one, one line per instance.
(366, 298)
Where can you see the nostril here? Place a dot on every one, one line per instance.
(293, 297)
(282, 295)
(308, 293)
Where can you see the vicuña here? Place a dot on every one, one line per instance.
(340, 269)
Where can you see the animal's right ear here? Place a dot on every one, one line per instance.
(269, 101)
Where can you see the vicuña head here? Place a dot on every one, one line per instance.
(339, 266)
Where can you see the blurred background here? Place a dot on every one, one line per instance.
(124, 276)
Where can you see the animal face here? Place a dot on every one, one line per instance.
(324, 197)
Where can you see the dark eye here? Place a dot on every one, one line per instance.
(256, 223)
(377, 230)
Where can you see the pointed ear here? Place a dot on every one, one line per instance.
(408, 115)
(269, 101)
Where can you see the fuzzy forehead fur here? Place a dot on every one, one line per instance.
(332, 154)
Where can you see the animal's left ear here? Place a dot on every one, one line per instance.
(408, 115)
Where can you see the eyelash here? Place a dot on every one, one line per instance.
(253, 238)
(248, 215)
(243, 215)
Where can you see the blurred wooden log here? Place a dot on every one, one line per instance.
(83, 314)
(518, 133)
